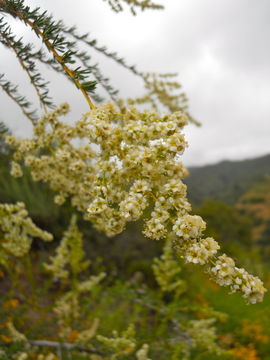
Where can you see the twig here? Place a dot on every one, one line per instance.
(64, 345)
(183, 335)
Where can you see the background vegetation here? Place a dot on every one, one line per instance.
(241, 329)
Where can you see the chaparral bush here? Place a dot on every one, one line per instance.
(120, 162)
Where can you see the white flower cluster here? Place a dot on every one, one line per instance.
(129, 160)
(22, 356)
(17, 230)
(189, 227)
(124, 344)
(86, 335)
(227, 274)
(16, 170)
(142, 354)
(49, 356)
(200, 252)
(14, 333)
(124, 164)
(204, 335)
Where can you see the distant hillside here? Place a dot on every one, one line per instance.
(256, 203)
(227, 180)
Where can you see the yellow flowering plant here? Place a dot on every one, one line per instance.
(136, 165)
(119, 163)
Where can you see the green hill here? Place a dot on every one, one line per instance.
(227, 180)
(256, 203)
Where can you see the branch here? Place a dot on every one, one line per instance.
(59, 58)
(50, 33)
(21, 101)
(102, 49)
(117, 7)
(137, 295)
(23, 54)
(104, 82)
(52, 64)
(64, 345)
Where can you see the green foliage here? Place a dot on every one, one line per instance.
(116, 5)
(265, 238)
(26, 61)
(167, 271)
(51, 34)
(12, 92)
(225, 223)
(68, 315)
(3, 132)
(37, 198)
(155, 316)
(69, 253)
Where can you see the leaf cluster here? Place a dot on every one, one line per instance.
(117, 5)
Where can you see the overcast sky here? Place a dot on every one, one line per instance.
(220, 49)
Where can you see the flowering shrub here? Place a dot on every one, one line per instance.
(17, 231)
(130, 162)
(117, 164)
